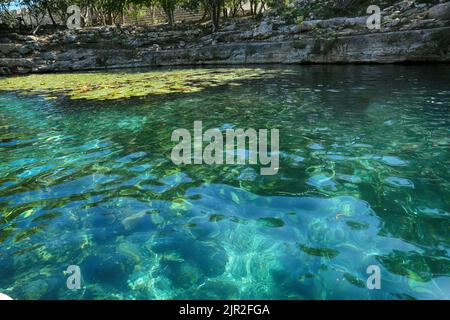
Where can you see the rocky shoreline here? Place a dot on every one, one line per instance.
(409, 33)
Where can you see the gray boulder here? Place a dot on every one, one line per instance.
(26, 49)
(16, 62)
(7, 48)
(70, 38)
(50, 55)
(440, 11)
(263, 31)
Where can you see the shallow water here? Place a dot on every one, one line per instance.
(364, 180)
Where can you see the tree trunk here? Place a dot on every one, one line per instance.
(51, 16)
(234, 11)
(215, 15)
(205, 15)
(263, 5)
(152, 14)
(242, 9)
(38, 23)
(89, 17)
(170, 14)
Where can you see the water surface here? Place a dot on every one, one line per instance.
(363, 180)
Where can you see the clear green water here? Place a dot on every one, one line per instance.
(363, 180)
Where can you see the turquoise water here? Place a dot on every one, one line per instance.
(364, 180)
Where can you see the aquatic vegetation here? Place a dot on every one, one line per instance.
(320, 252)
(123, 84)
(355, 281)
(356, 225)
(363, 180)
(271, 222)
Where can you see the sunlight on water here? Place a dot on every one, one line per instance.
(363, 180)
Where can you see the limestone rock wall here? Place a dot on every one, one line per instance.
(424, 36)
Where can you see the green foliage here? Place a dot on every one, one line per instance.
(137, 11)
(291, 14)
(5, 17)
(324, 9)
(109, 12)
(328, 8)
(169, 9)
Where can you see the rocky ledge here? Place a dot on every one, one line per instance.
(410, 32)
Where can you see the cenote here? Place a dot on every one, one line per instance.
(86, 179)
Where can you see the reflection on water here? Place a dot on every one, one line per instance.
(363, 180)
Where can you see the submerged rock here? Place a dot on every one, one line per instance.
(263, 31)
(217, 289)
(182, 274)
(35, 290)
(270, 222)
(109, 269)
(210, 259)
(400, 182)
(140, 221)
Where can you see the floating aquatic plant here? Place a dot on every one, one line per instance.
(320, 252)
(123, 85)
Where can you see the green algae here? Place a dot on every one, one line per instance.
(320, 252)
(354, 280)
(270, 222)
(357, 225)
(5, 233)
(216, 217)
(123, 85)
(28, 233)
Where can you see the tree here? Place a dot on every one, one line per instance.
(107, 11)
(168, 7)
(278, 5)
(5, 15)
(234, 6)
(4, 5)
(59, 8)
(36, 12)
(212, 7)
(138, 8)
